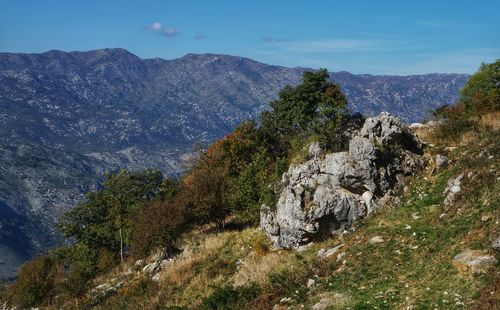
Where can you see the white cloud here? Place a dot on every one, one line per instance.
(156, 26)
(164, 31)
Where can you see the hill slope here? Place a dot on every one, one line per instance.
(68, 117)
(405, 256)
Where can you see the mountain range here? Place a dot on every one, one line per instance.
(66, 118)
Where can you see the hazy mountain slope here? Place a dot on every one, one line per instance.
(65, 118)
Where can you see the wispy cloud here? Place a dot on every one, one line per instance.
(200, 37)
(444, 24)
(461, 61)
(335, 45)
(165, 31)
(269, 39)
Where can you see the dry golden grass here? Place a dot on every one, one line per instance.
(256, 269)
(425, 133)
(208, 261)
(491, 120)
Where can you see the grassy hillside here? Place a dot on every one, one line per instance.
(409, 265)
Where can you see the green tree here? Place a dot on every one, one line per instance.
(79, 262)
(251, 188)
(481, 93)
(315, 106)
(105, 218)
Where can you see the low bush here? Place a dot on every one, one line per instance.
(229, 298)
(36, 283)
(158, 226)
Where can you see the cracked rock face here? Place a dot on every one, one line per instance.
(327, 194)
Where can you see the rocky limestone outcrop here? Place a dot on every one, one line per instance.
(328, 193)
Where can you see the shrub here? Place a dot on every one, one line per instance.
(481, 93)
(158, 225)
(250, 189)
(230, 298)
(36, 283)
(205, 192)
(80, 267)
(260, 244)
(106, 260)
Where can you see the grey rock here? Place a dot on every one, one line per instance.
(441, 161)
(369, 202)
(268, 222)
(474, 261)
(311, 283)
(314, 150)
(384, 129)
(362, 149)
(451, 190)
(326, 195)
(328, 300)
(432, 123)
(151, 268)
(417, 125)
(322, 253)
(304, 247)
(139, 263)
(485, 218)
(376, 240)
(496, 244)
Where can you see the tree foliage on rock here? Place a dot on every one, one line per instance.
(315, 106)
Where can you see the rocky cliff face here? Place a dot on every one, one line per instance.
(329, 192)
(65, 118)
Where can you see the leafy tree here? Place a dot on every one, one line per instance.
(205, 192)
(250, 189)
(105, 219)
(481, 93)
(298, 106)
(80, 267)
(159, 226)
(315, 106)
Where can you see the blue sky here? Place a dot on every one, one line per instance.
(377, 37)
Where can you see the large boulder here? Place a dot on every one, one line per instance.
(326, 194)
